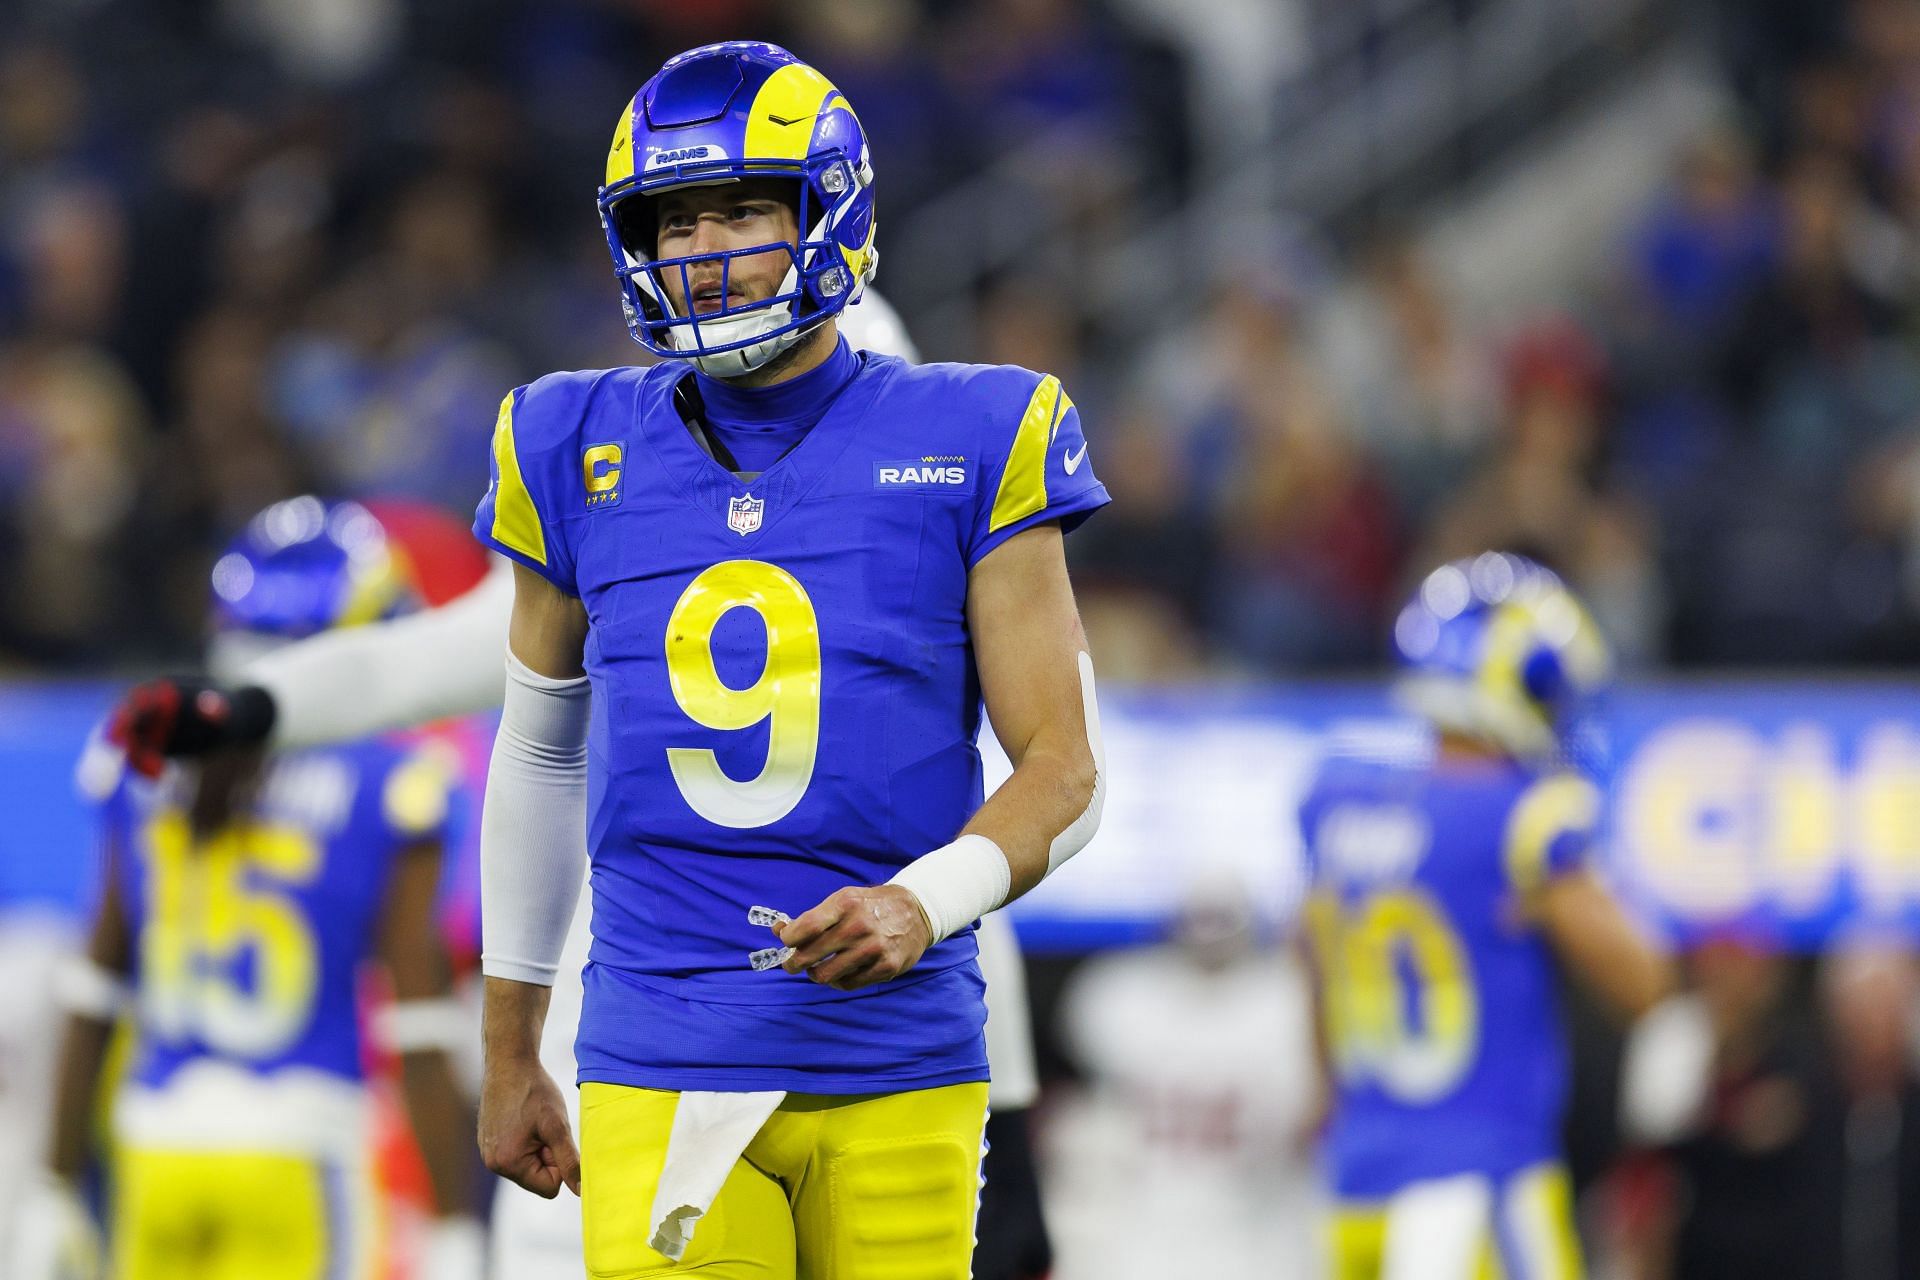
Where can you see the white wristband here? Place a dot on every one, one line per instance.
(85, 988)
(958, 883)
(416, 1026)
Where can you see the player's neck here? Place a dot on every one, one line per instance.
(802, 357)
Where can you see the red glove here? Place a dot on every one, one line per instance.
(187, 716)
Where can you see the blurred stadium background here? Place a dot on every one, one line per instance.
(1344, 288)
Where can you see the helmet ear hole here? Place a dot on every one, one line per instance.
(1543, 676)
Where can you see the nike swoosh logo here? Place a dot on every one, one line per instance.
(796, 120)
(1073, 460)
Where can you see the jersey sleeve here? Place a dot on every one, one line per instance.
(526, 513)
(1550, 831)
(1034, 463)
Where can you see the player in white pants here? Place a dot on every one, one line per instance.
(350, 684)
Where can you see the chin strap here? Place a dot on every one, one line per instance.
(732, 364)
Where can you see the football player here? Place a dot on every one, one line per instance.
(243, 899)
(786, 575)
(349, 684)
(1444, 889)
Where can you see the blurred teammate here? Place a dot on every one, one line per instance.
(243, 901)
(349, 684)
(1443, 891)
(786, 575)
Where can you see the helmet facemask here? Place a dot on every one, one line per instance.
(819, 282)
(735, 339)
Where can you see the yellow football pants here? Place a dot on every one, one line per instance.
(873, 1187)
(219, 1215)
(1515, 1228)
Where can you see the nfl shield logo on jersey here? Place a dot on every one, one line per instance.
(743, 514)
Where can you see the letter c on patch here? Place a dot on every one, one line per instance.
(601, 465)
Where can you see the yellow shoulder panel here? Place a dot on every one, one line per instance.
(1545, 811)
(1023, 485)
(516, 522)
(416, 797)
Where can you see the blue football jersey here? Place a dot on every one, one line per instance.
(248, 944)
(784, 696)
(1437, 994)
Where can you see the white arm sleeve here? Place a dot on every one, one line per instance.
(533, 830)
(352, 683)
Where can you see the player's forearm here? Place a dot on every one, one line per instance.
(1596, 940)
(512, 1017)
(1632, 977)
(533, 827)
(83, 1051)
(1042, 815)
(443, 1125)
(352, 683)
(1047, 793)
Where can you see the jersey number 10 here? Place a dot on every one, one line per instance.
(787, 692)
(1397, 992)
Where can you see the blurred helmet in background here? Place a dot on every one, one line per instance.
(1496, 648)
(722, 113)
(301, 567)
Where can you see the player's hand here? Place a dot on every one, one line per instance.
(186, 716)
(524, 1136)
(858, 937)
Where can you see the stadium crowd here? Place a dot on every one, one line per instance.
(260, 248)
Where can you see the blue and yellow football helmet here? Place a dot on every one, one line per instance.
(1498, 649)
(304, 566)
(722, 113)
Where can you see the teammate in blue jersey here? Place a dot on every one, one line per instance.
(762, 589)
(243, 902)
(1443, 891)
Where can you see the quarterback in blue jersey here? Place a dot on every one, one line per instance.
(763, 588)
(1443, 891)
(243, 901)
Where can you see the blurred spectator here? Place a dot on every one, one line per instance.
(391, 385)
(1142, 575)
(72, 447)
(1419, 388)
(879, 64)
(321, 41)
(1869, 988)
(1240, 57)
(1541, 493)
(1757, 1171)
(322, 240)
(1307, 532)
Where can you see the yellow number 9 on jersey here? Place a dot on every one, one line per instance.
(788, 690)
